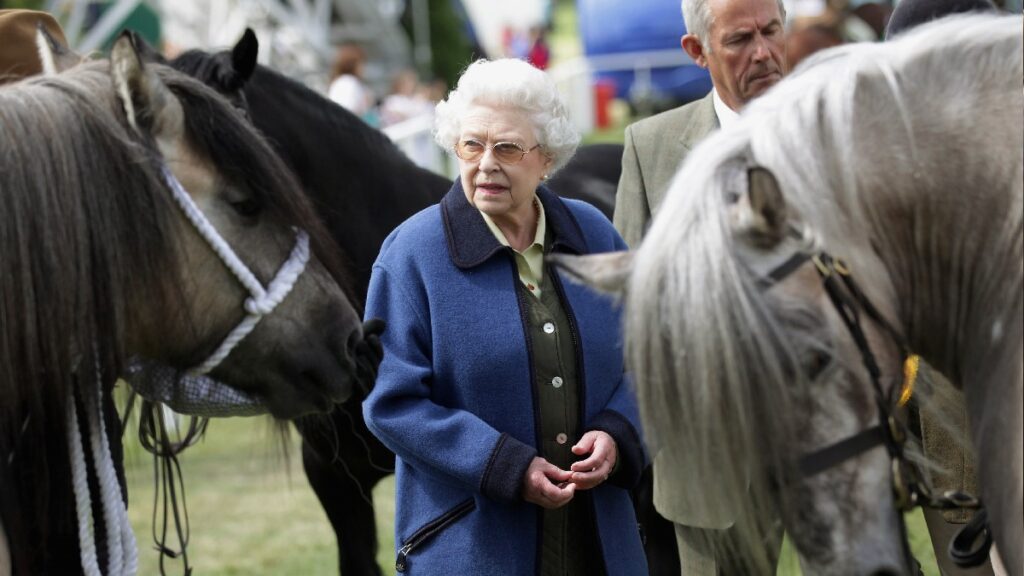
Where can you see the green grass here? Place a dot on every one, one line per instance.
(251, 509)
(253, 513)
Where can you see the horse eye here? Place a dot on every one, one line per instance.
(248, 208)
(819, 361)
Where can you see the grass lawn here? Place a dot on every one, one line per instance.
(251, 509)
(253, 513)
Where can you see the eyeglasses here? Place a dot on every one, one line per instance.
(504, 152)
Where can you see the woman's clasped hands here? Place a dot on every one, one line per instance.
(547, 485)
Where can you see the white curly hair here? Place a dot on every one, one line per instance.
(515, 84)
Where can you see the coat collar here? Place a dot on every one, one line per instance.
(701, 123)
(470, 242)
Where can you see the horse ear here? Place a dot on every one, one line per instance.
(761, 213)
(243, 57)
(145, 51)
(53, 54)
(149, 105)
(607, 273)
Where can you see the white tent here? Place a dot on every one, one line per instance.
(296, 37)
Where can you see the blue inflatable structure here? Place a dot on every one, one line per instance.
(635, 29)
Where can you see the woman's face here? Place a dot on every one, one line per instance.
(495, 182)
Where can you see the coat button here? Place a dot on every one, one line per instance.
(556, 381)
(549, 328)
(561, 438)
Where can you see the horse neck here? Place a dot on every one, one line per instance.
(950, 237)
(362, 185)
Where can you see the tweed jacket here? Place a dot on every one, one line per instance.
(654, 149)
(455, 397)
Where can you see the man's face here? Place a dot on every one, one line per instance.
(747, 49)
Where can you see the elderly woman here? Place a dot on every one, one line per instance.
(502, 388)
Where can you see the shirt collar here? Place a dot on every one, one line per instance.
(538, 238)
(726, 115)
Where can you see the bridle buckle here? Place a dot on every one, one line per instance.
(896, 430)
(902, 495)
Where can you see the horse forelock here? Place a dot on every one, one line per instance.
(240, 153)
(715, 369)
(78, 237)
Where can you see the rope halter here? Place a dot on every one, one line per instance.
(262, 301)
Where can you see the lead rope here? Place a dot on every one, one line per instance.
(83, 500)
(122, 553)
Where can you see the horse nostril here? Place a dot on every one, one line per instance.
(352, 344)
(885, 572)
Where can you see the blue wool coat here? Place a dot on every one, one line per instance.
(454, 396)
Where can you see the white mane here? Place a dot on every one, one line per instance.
(905, 159)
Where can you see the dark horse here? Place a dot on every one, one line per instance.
(363, 186)
(101, 263)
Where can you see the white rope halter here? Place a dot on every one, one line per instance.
(122, 552)
(263, 300)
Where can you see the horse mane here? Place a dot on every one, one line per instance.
(74, 245)
(850, 137)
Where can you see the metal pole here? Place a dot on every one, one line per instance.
(112, 20)
(421, 37)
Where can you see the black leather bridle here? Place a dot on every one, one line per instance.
(970, 547)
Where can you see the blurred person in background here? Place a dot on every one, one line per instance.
(405, 101)
(347, 87)
(502, 389)
(807, 36)
(742, 44)
(514, 43)
(435, 90)
(539, 54)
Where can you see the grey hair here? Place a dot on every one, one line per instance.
(714, 357)
(698, 19)
(515, 84)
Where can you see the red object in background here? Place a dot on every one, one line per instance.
(604, 92)
(539, 54)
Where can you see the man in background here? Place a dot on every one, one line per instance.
(742, 44)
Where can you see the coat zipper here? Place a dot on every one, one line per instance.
(430, 530)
